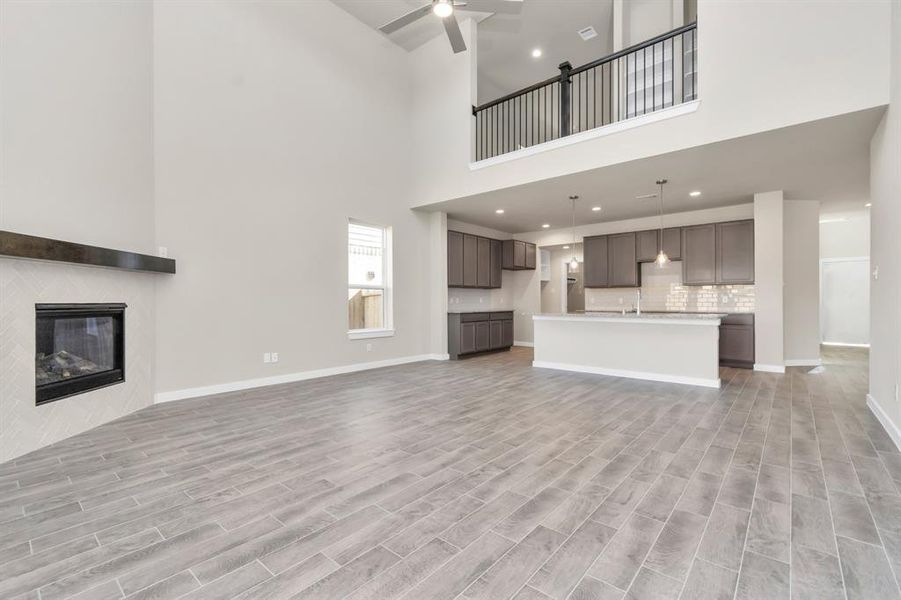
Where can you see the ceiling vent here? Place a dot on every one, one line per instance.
(588, 33)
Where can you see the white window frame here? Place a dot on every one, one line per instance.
(387, 283)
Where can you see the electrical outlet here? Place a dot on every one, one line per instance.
(164, 252)
(275, 357)
(898, 392)
(368, 347)
(267, 357)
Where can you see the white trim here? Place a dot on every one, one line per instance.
(592, 134)
(246, 384)
(700, 381)
(631, 318)
(769, 368)
(365, 334)
(890, 428)
(803, 362)
(524, 344)
(842, 344)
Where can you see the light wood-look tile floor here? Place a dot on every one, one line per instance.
(483, 478)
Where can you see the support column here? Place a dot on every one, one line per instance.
(769, 328)
(437, 274)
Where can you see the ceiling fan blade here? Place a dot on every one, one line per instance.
(511, 7)
(405, 20)
(453, 34)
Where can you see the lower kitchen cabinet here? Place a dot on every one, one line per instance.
(470, 333)
(737, 341)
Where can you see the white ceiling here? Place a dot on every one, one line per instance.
(506, 41)
(826, 160)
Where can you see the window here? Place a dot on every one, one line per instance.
(368, 280)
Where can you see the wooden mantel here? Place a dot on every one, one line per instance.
(19, 245)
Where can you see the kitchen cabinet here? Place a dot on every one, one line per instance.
(496, 263)
(454, 259)
(483, 273)
(735, 252)
(470, 333)
(737, 341)
(594, 261)
(699, 254)
(470, 261)
(473, 261)
(647, 245)
(672, 242)
(623, 262)
(518, 255)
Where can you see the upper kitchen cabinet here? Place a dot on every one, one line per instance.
(454, 259)
(594, 261)
(672, 242)
(623, 270)
(473, 261)
(647, 245)
(699, 254)
(518, 255)
(735, 252)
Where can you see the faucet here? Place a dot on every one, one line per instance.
(638, 303)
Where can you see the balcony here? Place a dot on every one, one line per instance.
(647, 77)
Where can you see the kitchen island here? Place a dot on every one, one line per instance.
(675, 348)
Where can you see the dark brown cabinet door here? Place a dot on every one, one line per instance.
(647, 243)
(483, 276)
(672, 243)
(595, 261)
(623, 270)
(496, 334)
(483, 336)
(470, 260)
(467, 337)
(454, 259)
(735, 252)
(519, 254)
(496, 256)
(508, 333)
(699, 254)
(530, 256)
(737, 344)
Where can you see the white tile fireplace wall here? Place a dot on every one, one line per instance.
(25, 427)
(662, 289)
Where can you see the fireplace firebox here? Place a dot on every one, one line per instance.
(79, 347)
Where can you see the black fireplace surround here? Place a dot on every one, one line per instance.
(79, 347)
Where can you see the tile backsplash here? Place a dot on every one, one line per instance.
(662, 289)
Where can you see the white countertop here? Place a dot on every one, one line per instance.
(711, 319)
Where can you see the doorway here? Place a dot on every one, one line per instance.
(845, 301)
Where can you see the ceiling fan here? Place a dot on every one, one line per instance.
(444, 10)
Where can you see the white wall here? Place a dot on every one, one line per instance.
(742, 71)
(885, 292)
(768, 281)
(76, 159)
(271, 130)
(801, 293)
(846, 238)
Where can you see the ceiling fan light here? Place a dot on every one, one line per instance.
(443, 8)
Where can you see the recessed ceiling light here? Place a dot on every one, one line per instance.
(595, 208)
(694, 194)
(500, 211)
(536, 53)
(868, 204)
(566, 247)
(838, 220)
(546, 225)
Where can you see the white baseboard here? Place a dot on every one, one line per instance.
(524, 344)
(769, 368)
(803, 362)
(246, 384)
(714, 383)
(843, 345)
(890, 428)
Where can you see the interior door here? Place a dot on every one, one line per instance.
(845, 301)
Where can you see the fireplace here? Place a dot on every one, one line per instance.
(79, 347)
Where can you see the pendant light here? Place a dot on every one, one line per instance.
(574, 264)
(662, 259)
